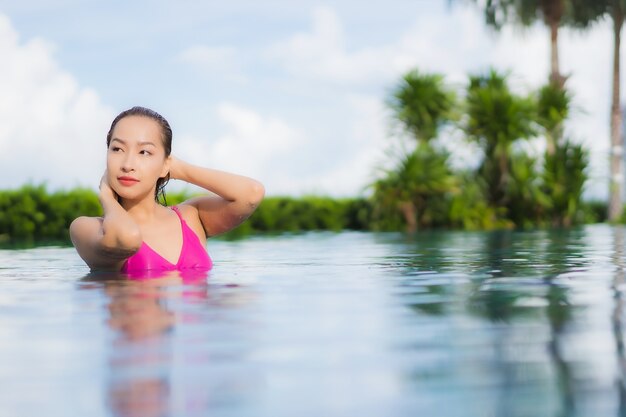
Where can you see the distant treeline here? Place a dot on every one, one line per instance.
(516, 184)
(31, 213)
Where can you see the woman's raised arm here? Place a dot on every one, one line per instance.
(236, 197)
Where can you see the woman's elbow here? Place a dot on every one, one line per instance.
(257, 192)
(122, 244)
(130, 240)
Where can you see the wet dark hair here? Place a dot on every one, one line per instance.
(166, 137)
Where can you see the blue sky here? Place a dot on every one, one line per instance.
(291, 93)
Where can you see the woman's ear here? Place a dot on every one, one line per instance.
(166, 167)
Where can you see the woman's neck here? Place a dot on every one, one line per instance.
(141, 211)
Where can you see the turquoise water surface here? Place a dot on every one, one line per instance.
(325, 324)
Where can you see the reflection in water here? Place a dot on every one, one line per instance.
(528, 286)
(140, 398)
(617, 315)
(140, 358)
(138, 304)
(139, 381)
(350, 324)
(559, 312)
(138, 310)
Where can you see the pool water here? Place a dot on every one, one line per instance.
(325, 324)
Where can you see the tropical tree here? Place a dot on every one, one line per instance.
(422, 104)
(565, 163)
(417, 184)
(496, 118)
(579, 14)
(616, 9)
(469, 207)
(527, 200)
(564, 177)
(417, 187)
(553, 13)
(553, 108)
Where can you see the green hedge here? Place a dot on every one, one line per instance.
(31, 213)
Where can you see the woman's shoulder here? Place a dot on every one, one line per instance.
(85, 221)
(185, 210)
(83, 227)
(190, 215)
(188, 212)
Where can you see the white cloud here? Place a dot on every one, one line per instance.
(52, 130)
(263, 147)
(321, 53)
(365, 147)
(321, 56)
(287, 160)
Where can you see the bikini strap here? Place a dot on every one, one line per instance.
(183, 223)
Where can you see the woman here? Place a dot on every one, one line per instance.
(136, 232)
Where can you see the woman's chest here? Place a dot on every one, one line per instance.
(166, 239)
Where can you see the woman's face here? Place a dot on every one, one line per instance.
(136, 157)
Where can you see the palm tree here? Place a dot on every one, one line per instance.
(417, 187)
(553, 108)
(565, 163)
(553, 13)
(496, 118)
(526, 12)
(564, 177)
(579, 14)
(421, 105)
(616, 8)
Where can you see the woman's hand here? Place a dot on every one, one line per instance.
(105, 242)
(106, 192)
(176, 168)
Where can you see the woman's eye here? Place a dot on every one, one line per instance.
(116, 149)
(144, 152)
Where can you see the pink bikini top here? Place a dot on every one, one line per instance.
(193, 255)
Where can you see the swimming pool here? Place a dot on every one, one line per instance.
(326, 324)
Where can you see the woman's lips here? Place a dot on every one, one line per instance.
(127, 181)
